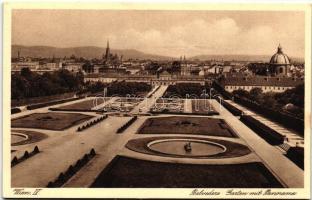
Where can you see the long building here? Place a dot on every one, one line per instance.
(162, 79)
(278, 77)
(266, 83)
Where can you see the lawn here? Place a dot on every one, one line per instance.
(82, 106)
(33, 136)
(50, 121)
(187, 125)
(124, 172)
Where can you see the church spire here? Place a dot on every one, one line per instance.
(107, 51)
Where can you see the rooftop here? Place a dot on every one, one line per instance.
(262, 81)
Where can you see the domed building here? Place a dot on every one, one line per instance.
(280, 63)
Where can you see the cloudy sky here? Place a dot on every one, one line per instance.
(171, 33)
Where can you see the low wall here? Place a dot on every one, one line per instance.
(296, 154)
(265, 132)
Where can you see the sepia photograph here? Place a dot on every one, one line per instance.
(110, 98)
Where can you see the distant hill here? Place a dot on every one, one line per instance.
(97, 52)
(263, 58)
(86, 52)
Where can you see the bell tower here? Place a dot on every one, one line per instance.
(107, 53)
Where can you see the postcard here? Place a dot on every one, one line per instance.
(129, 100)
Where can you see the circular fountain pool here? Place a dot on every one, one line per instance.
(188, 147)
(178, 147)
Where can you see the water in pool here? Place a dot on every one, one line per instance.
(176, 147)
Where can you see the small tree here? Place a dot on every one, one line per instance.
(241, 93)
(255, 94)
(25, 72)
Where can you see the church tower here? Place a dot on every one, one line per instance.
(107, 53)
(185, 68)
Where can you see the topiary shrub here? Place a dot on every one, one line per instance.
(85, 158)
(61, 177)
(26, 154)
(70, 171)
(92, 152)
(50, 184)
(36, 149)
(14, 161)
(78, 164)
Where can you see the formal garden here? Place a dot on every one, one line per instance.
(85, 105)
(187, 90)
(50, 121)
(202, 106)
(125, 172)
(187, 125)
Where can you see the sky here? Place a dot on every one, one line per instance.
(169, 33)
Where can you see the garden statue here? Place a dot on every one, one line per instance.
(188, 147)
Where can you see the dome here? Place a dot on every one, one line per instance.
(279, 58)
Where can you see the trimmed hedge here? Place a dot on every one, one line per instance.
(222, 91)
(72, 110)
(126, 125)
(71, 170)
(296, 154)
(42, 99)
(26, 155)
(93, 122)
(51, 103)
(15, 110)
(268, 134)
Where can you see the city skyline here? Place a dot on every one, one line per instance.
(164, 33)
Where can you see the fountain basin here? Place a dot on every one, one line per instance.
(176, 147)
